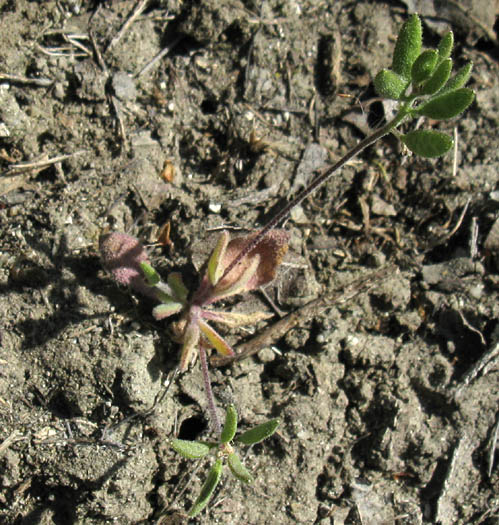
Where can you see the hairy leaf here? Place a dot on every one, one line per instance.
(150, 274)
(215, 268)
(389, 84)
(177, 285)
(270, 251)
(445, 45)
(190, 449)
(230, 425)
(121, 255)
(191, 337)
(215, 339)
(437, 81)
(259, 433)
(238, 469)
(427, 143)
(448, 105)
(459, 79)
(164, 310)
(424, 66)
(207, 489)
(408, 46)
(228, 287)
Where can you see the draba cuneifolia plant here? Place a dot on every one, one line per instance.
(422, 84)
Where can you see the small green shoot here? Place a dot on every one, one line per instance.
(224, 451)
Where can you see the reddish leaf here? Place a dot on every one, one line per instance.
(270, 250)
(121, 254)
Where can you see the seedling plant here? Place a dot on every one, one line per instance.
(420, 83)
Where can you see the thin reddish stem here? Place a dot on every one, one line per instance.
(320, 179)
(215, 421)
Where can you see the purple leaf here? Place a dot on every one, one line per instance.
(121, 255)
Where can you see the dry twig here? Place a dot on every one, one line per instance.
(10, 440)
(16, 79)
(137, 11)
(311, 309)
(22, 167)
(158, 57)
(482, 366)
(493, 446)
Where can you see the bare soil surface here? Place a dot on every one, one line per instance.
(388, 395)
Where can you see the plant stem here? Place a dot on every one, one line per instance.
(215, 421)
(320, 179)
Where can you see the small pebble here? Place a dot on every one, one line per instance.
(266, 355)
(59, 91)
(215, 207)
(124, 86)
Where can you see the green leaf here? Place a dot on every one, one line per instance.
(230, 425)
(448, 105)
(437, 81)
(177, 285)
(459, 79)
(190, 449)
(215, 269)
(427, 143)
(424, 66)
(389, 85)
(259, 433)
(207, 489)
(164, 310)
(150, 274)
(445, 45)
(408, 46)
(238, 469)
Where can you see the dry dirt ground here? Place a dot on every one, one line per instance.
(388, 395)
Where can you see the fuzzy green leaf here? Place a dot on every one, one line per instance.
(150, 274)
(178, 287)
(230, 425)
(207, 489)
(164, 310)
(437, 81)
(459, 79)
(445, 45)
(190, 449)
(408, 46)
(427, 143)
(448, 105)
(424, 66)
(238, 469)
(259, 433)
(389, 85)
(215, 269)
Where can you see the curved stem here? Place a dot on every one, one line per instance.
(319, 180)
(215, 421)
